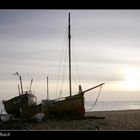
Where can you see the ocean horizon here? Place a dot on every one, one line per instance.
(102, 106)
(112, 105)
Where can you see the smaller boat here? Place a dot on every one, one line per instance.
(24, 100)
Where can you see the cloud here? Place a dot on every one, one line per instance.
(103, 41)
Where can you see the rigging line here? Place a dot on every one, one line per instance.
(76, 61)
(60, 61)
(63, 73)
(96, 99)
(58, 75)
(90, 94)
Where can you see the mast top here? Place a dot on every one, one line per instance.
(69, 14)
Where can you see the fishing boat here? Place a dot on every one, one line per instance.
(72, 105)
(22, 102)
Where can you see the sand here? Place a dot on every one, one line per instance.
(114, 120)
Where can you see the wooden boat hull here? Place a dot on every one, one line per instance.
(14, 105)
(69, 106)
(29, 112)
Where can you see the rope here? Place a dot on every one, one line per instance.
(96, 99)
(76, 63)
(62, 57)
(63, 76)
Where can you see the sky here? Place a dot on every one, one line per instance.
(105, 48)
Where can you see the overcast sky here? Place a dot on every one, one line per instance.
(105, 48)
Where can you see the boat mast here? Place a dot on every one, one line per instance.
(20, 81)
(21, 84)
(47, 89)
(18, 89)
(69, 37)
(30, 85)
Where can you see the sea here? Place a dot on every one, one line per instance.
(101, 106)
(112, 105)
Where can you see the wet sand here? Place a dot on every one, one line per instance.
(114, 120)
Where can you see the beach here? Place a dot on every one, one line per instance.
(122, 120)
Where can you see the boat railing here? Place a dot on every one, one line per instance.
(60, 99)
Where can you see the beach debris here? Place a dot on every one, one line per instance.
(22, 127)
(95, 117)
(6, 118)
(39, 117)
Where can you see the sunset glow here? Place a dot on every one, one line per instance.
(131, 78)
